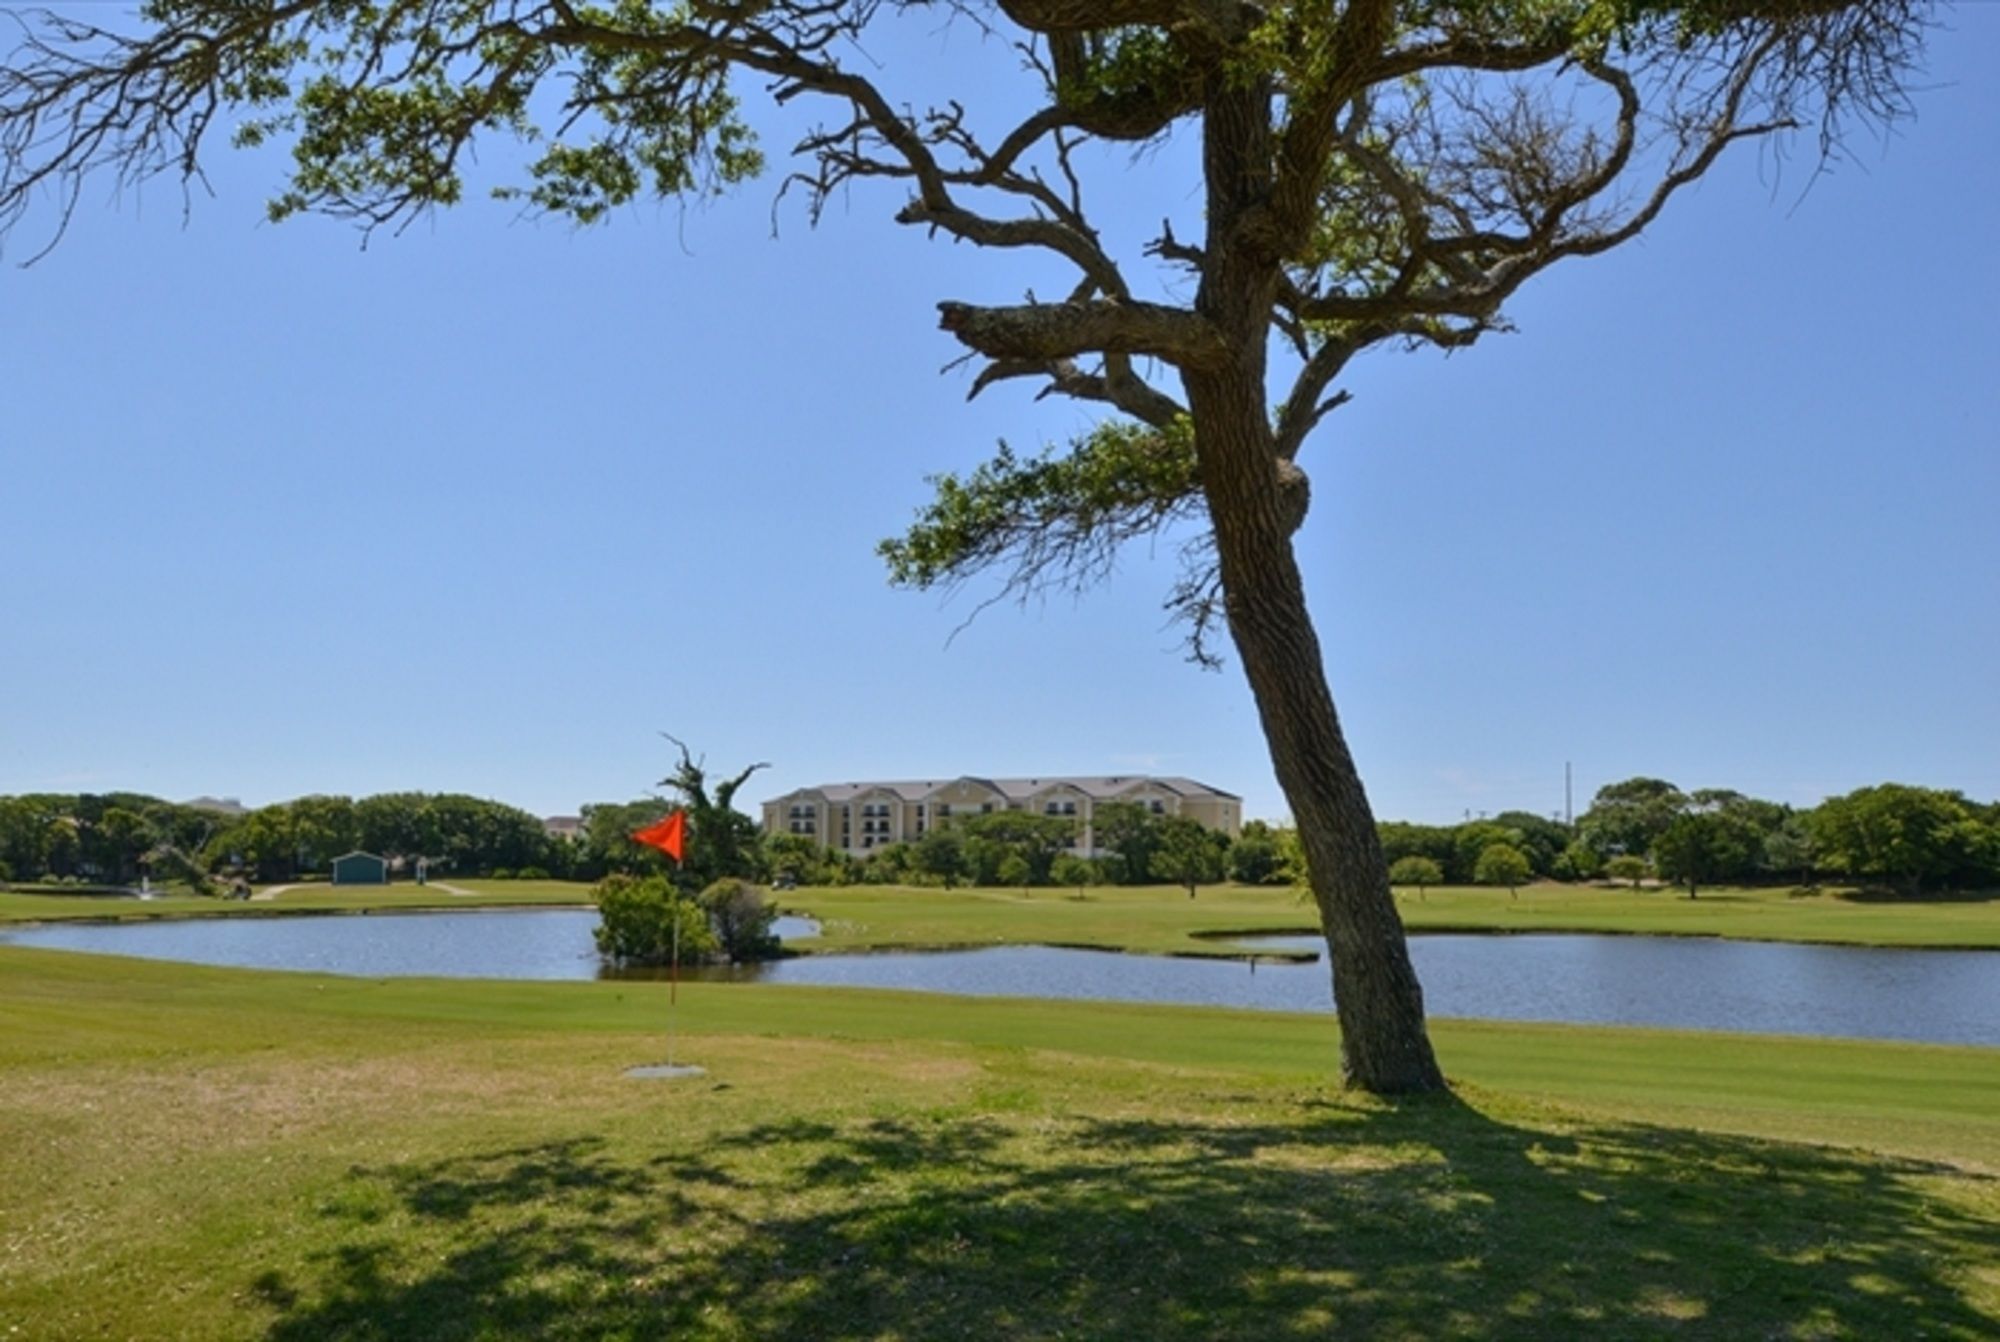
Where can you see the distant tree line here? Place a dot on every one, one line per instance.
(115, 838)
(1909, 839)
(107, 838)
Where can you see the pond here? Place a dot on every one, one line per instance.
(1949, 997)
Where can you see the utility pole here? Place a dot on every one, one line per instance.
(1569, 812)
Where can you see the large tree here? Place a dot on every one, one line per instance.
(1035, 839)
(1906, 836)
(1629, 817)
(1372, 173)
(1190, 853)
(1717, 836)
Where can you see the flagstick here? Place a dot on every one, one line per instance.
(674, 969)
(670, 837)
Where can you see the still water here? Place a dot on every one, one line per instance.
(1936, 996)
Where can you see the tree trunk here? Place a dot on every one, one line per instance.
(1384, 1046)
(1256, 501)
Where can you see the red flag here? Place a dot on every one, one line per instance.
(668, 835)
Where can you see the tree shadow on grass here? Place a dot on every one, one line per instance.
(1883, 894)
(1424, 1220)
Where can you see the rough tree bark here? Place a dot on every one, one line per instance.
(1257, 501)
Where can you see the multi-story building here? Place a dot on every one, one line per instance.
(858, 817)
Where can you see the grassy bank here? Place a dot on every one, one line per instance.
(16, 906)
(1164, 920)
(206, 1153)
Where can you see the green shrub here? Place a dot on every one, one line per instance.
(1501, 864)
(637, 921)
(1069, 869)
(1578, 862)
(1254, 860)
(1626, 868)
(531, 874)
(501, 874)
(1421, 872)
(741, 918)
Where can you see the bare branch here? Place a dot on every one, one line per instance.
(1067, 242)
(1116, 385)
(1470, 52)
(1046, 332)
(1195, 601)
(1169, 248)
(1220, 17)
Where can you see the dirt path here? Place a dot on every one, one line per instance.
(271, 892)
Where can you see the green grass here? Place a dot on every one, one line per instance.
(210, 1153)
(1164, 920)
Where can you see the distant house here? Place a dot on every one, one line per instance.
(563, 826)
(360, 869)
(855, 817)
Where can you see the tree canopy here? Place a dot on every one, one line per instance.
(1374, 173)
(722, 841)
(1189, 853)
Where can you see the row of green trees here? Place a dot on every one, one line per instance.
(110, 838)
(1893, 835)
(1908, 838)
(115, 838)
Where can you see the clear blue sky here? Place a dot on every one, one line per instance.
(484, 506)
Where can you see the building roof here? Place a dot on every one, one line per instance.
(1098, 787)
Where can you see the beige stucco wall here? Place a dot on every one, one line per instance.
(1220, 813)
